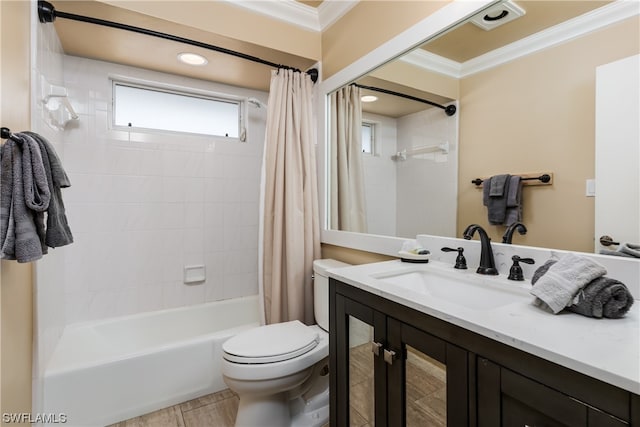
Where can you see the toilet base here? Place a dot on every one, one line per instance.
(279, 410)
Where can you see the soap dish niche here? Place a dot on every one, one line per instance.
(194, 274)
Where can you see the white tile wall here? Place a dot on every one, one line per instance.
(49, 292)
(427, 186)
(380, 178)
(144, 205)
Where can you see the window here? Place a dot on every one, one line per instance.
(368, 137)
(160, 109)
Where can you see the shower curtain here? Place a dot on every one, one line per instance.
(289, 223)
(348, 211)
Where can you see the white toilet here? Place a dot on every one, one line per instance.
(280, 371)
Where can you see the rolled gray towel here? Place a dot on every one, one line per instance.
(602, 297)
(630, 249)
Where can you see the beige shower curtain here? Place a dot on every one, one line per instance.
(290, 224)
(348, 211)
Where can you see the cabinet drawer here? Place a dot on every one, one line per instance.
(526, 402)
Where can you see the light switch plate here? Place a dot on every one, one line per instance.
(591, 188)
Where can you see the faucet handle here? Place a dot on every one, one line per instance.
(515, 273)
(461, 261)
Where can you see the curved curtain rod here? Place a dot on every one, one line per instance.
(47, 14)
(450, 110)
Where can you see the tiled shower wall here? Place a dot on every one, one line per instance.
(49, 306)
(427, 184)
(143, 205)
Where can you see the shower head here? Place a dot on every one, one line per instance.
(256, 103)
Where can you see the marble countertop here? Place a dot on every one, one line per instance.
(605, 349)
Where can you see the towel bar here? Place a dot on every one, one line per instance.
(529, 179)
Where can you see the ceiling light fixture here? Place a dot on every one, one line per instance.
(192, 58)
(368, 98)
(498, 14)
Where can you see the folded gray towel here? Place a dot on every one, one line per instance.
(18, 235)
(615, 253)
(631, 249)
(514, 201)
(556, 288)
(497, 185)
(58, 232)
(496, 205)
(602, 297)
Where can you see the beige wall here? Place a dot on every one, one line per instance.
(15, 282)
(368, 25)
(351, 256)
(536, 115)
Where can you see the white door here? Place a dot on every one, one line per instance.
(617, 201)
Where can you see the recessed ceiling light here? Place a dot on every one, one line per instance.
(368, 98)
(192, 58)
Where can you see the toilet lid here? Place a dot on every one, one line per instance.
(271, 343)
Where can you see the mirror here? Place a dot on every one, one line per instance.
(525, 94)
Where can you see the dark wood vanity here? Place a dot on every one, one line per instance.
(488, 383)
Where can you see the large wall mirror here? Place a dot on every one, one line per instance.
(525, 97)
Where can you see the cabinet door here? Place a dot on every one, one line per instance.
(427, 379)
(359, 367)
(508, 399)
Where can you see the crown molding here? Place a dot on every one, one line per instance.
(330, 11)
(289, 11)
(299, 14)
(432, 62)
(553, 36)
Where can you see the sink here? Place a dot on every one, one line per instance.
(460, 288)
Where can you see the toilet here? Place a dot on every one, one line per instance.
(280, 371)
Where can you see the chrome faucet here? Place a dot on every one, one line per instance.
(487, 263)
(508, 234)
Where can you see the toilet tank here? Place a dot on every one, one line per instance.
(321, 289)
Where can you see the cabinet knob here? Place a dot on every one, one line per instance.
(375, 348)
(389, 356)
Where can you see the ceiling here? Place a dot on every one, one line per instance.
(139, 50)
(119, 46)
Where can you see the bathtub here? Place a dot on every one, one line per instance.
(110, 370)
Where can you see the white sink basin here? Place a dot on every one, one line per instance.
(461, 288)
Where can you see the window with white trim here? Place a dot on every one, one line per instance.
(150, 108)
(368, 137)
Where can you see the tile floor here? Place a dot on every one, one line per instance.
(213, 410)
(426, 398)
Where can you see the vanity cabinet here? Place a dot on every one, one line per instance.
(394, 366)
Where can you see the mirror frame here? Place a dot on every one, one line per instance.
(416, 35)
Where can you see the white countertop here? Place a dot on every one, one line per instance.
(605, 349)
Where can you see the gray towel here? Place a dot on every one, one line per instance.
(497, 185)
(558, 286)
(615, 253)
(19, 239)
(630, 249)
(496, 205)
(514, 201)
(58, 232)
(602, 297)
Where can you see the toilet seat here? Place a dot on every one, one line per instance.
(271, 343)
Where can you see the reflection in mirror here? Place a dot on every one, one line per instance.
(426, 390)
(361, 376)
(526, 97)
(392, 157)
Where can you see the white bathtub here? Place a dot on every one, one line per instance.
(111, 370)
